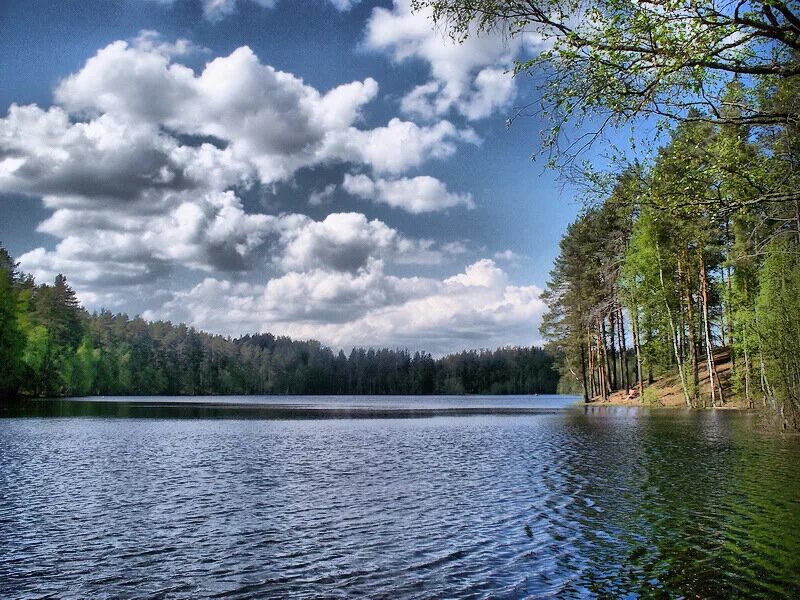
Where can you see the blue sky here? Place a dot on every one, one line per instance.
(316, 168)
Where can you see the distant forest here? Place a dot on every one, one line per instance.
(51, 346)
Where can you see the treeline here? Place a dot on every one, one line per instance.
(698, 250)
(51, 346)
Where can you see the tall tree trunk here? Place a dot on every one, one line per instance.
(713, 378)
(592, 387)
(729, 309)
(729, 291)
(583, 374)
(747, 376)
(602, 366)
(637, 350)
(605, 363)
(693, 355)
(797, 218)
(673, 335)
(765, 382)
(623, 350)
(612, 330)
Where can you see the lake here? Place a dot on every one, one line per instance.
(429, 497)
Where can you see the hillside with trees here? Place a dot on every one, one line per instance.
(695, 252)
(51, 346)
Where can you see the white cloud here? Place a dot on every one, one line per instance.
(151, 40)
(123, 246)
(415, 195)
(508, 256)
(143, 158)
(216, 10)
(472, 78)
(343, 5)
(335, 297)
(319, 197)
(342, 242)
(44, 153)
(142, 163)
(268, 118)
(454, 248)
(345, 242)
(473, 309)
(399, 146)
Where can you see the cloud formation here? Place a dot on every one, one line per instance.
(416, 195)
(144, 164)
(108, 159)
(122, 246)
(345, 242)
(472, 78)
(476, 308)
(142, 158)
(116, 246)
(267, 119)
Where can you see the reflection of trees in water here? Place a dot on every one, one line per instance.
(695, 505)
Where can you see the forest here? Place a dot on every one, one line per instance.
(688, 246)
(678, 266)
(51, 346)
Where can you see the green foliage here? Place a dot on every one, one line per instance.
(86, 360)
(621, 59)
(707, 265)
(35, 355)
(11, 336)
(650, 397)
(778, 322)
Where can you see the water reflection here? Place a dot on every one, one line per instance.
(285, 407)
(569, 503)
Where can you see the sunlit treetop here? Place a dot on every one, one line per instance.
(617, 60)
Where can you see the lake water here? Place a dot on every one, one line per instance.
(500, 497)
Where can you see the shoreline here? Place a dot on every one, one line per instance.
(666, 391)
(638, 404)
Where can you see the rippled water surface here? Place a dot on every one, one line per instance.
(421, 498)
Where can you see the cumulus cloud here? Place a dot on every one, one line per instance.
(44, 153)
(454, 248)
(268, 118)
(399, 146)
(344, 5)
(415, 195)
(342, 242)
(345, 242)
(143, 163)
(471, 78)
(142, 159)
(323, 297)
(476, 308)
(122, 246)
